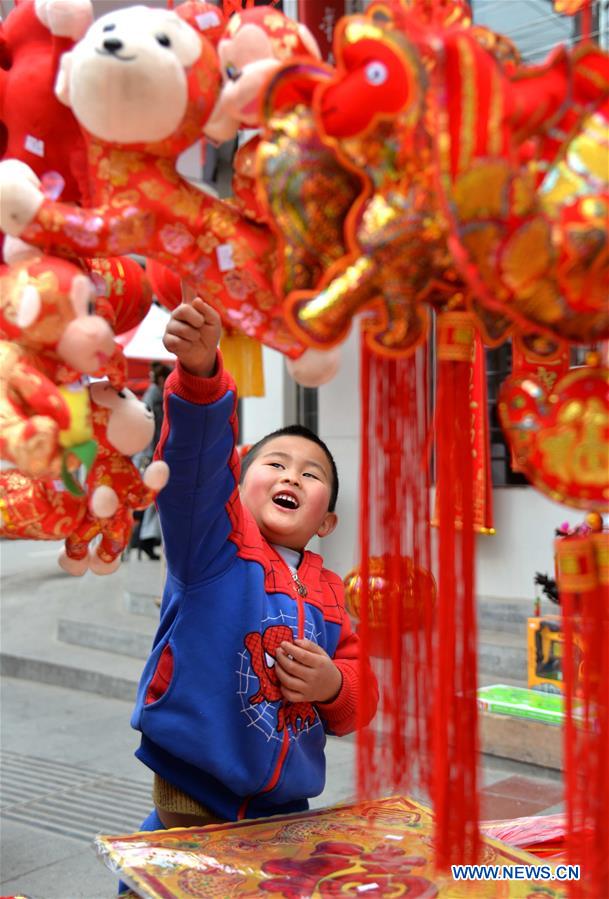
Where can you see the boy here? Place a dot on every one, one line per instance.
(254, 659)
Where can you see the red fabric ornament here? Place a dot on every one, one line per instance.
(124, 293)
(559, 436)
(455, 714)
(582, 577)
(165, 283)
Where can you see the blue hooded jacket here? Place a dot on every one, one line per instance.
(209, 707)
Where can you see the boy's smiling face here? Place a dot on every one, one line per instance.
(287, 489)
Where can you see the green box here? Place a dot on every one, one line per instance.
(523, 703)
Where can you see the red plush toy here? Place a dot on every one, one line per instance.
(49, 338)
(37, 509)
(38, 129)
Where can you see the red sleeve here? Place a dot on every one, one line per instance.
(200, 390)
(359, 686)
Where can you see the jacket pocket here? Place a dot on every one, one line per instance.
(161, 679)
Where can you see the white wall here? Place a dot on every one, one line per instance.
(261, 415)
(525, 521)
(339, 426)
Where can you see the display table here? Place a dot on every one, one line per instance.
(372, 848)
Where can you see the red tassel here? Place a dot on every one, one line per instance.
(393, 589)
(455, 734)
(582, 566)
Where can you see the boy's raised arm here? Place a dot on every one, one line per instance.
(198, 443)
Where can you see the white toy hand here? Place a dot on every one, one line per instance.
(16, 250)
(156, 475)
(103, 502)
(20, 196)
(65, 18)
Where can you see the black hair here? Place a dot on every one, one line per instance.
(294, 431)
(159, 371)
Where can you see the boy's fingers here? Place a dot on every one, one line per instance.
(208, 312)
(297, 652)
(183, 331)
(172, 343)
(289, 680)
(189, 314)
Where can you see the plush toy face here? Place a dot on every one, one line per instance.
(126, 80)
(120, 419)
(375, 81)
(46, 305)
(256, 43)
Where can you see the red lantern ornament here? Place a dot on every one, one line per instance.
(410, 596)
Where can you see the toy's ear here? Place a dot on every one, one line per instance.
(29, 306)
(80, 294)
(104, 395)
(309, 41)
(62, 82)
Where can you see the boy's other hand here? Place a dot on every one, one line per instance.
(306, 672)
(192, 333)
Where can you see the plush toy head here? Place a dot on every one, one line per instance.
(120, 421)
(45, 305)
(257, 41)
(156, 70)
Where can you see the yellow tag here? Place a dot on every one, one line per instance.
(81, 426)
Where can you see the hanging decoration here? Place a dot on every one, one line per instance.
(392, 590)
(413, 589)
(39, 509)
(582, 577)
(455, 710)
(142, 204)
(49, 339)
(482, 487)
(544, 360)
(454, 198)
(560, 436)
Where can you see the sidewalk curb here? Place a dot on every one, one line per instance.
(67, 676)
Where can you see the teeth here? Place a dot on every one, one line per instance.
(287, 499)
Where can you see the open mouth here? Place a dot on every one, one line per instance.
(286, 501)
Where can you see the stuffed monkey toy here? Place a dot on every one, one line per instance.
(256, 42)
(49, 338)
(38, 509)
(122, 426)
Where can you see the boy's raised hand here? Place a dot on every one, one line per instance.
(192, 333)
(306, 672)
